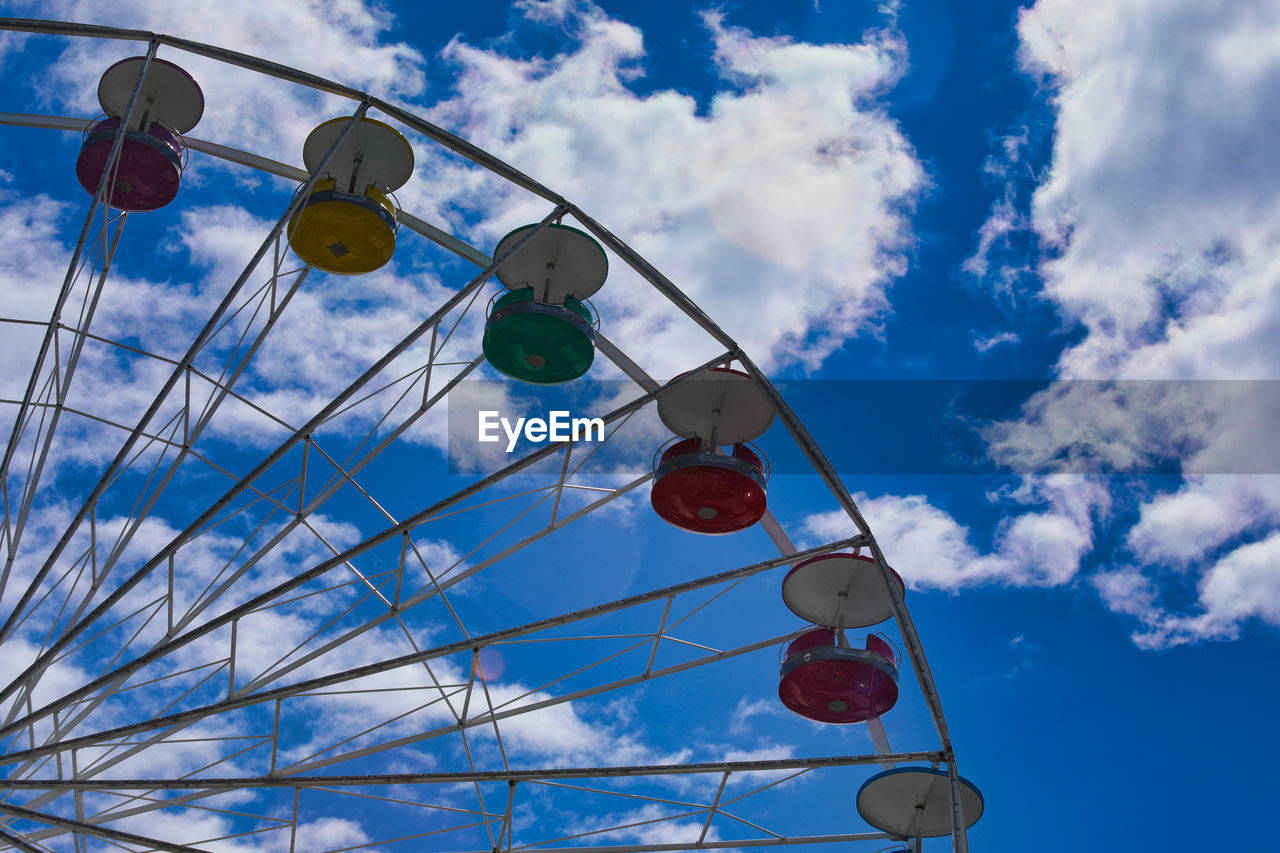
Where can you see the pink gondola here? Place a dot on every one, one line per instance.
(829, 682)
(148, 169)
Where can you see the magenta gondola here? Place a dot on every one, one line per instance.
(827, 681)
(148, 169)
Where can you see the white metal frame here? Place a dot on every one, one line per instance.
(79, 597)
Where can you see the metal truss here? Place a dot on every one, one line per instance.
(161, 654)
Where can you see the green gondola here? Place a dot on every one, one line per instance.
(543, 331)
(539, 343)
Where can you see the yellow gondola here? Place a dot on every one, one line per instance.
(348, 222)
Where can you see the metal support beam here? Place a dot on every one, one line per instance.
(97, 831)
(45, 659)
(467, 645)
(530, 775)
(816, 457)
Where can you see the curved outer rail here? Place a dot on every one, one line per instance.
(646, 270)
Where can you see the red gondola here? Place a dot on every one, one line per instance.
(696, 486)
(706, 492)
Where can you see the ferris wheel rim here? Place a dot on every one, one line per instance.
(502, 170)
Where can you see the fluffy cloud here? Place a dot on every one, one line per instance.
(341, 41)
(1203, 562)
(781, 210)
(1160, 230)
(1185, 527)
(1158, 204)
(931, 550)
(1241, 586)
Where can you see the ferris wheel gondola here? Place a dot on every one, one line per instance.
(181, 661)
(697, 487)
(148, 170)
(915, 802)
(348, 222)
(543, 329)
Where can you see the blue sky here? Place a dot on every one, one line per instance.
(895, 208)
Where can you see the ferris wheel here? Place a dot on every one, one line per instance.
(229, 626)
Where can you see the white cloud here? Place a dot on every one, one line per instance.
(1183, 527)
(930, 549)
(985, 345)
(1215, 535)
(1241, 586)
(740, 720)
(1134, 426)
(328, 833)
(1158, 202)
(337, 40)
(546, 11)
(1160, 228)
(782, 210)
